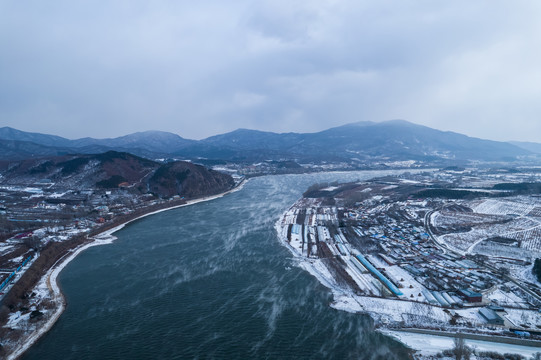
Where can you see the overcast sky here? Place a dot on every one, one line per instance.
(199, 68)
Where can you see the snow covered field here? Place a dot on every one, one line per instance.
(432, 344)
(516, 218)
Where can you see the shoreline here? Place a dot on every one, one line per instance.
(341, 298)
(102, 238)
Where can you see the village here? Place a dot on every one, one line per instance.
(390, 248)
(33, 216)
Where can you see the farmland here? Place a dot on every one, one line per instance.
(513, 221)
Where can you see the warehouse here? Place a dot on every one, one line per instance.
(471, 296)
(490, 316)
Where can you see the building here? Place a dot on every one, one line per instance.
(496, 308)
(490, 316)
(471, 296)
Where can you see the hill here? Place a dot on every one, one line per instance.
(111, 170)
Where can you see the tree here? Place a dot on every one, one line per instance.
(33, 242)
(503, 271)
(524, 318)
(461, 350)
(536, 269)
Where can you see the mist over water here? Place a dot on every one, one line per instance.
(208, 281)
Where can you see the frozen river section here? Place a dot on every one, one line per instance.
(208, 281)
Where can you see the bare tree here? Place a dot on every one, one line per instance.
(524, 318)
(503, 271)
(33, 242)
(461, 350)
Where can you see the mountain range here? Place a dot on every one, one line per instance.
(394, 140)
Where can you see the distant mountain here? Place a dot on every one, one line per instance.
(358, 142)
(113, 169)
(18, 150)
(7, 133)
(154, 141)
(403, 140)
(391, 140)
(246, 145)
(529, 146)
(149, 142)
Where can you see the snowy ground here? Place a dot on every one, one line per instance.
(432, 344)
(516, 218)
(508, 298)
(530, 318)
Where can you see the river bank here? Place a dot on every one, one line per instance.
(50, 279)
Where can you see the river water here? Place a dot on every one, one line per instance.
(208, 281)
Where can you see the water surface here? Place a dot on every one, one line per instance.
(209, 280)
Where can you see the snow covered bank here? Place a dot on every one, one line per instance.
(50, 281)
(189, 202)
(433, 344)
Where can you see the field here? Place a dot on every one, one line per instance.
(520, 205)
(515, 218)
(529, 239)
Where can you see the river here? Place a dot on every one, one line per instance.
(208, 281)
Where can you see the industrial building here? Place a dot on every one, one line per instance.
(471, 296)
(491, 317)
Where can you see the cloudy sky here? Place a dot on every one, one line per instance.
(198, 68)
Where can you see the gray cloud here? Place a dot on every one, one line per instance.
(107, 68)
